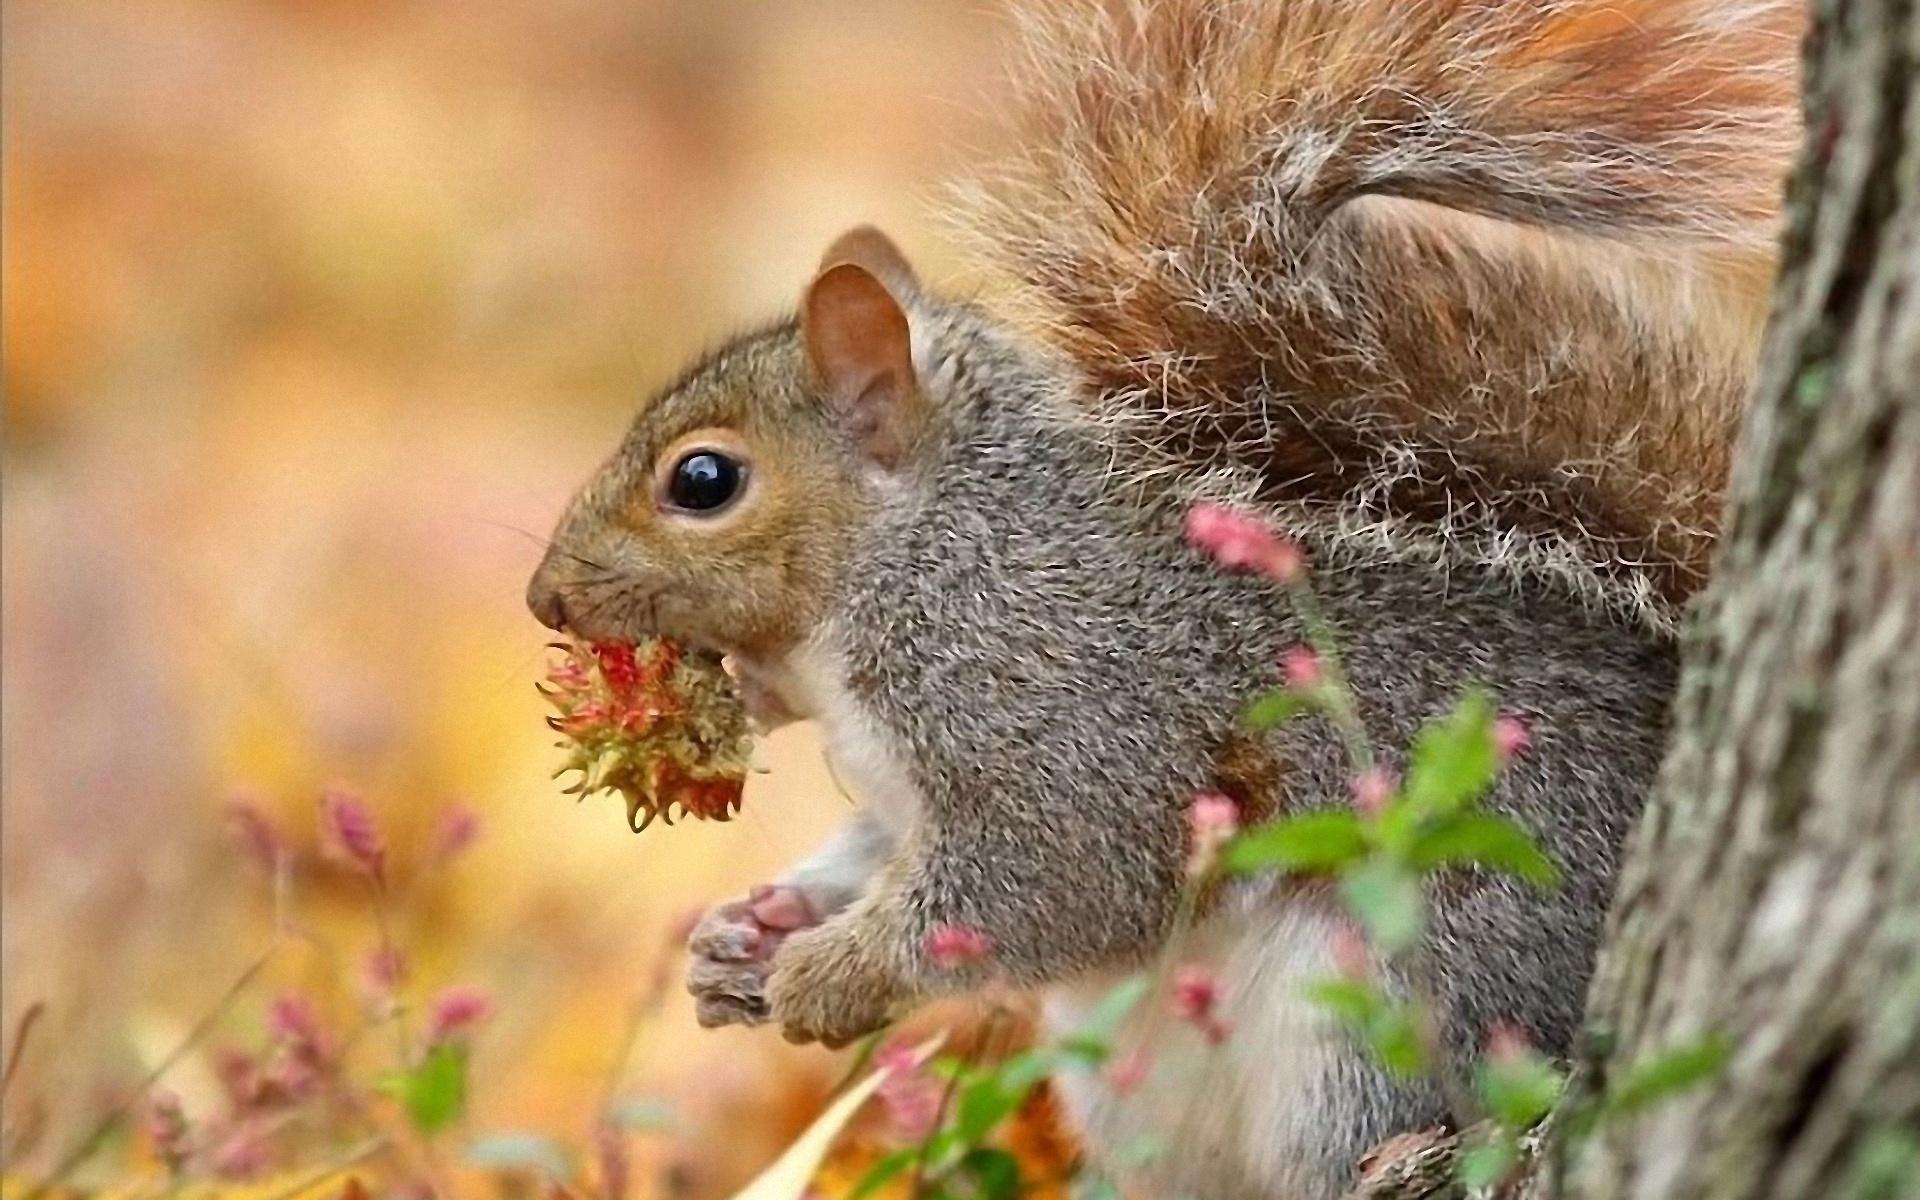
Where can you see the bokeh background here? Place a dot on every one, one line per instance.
(315, 312)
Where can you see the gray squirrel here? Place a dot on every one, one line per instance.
(1463, 297)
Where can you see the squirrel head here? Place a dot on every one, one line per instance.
(725, 516)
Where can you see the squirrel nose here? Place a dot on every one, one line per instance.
(548, 605)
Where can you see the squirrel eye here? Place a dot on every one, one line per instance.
(704, 481)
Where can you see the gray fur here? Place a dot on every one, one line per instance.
(1058, 667)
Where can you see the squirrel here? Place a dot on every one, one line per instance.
(1462, 296)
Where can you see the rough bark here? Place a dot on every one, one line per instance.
(1773, 893)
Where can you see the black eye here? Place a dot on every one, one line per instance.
(704, 480)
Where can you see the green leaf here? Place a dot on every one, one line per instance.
(995, 1172)
(1453, 759)
(1104, 1021)
(1520, 1090)
(535, 1151)
(1090, 1051)
(1391, 1030)
(1021, 1073)
(983, 1105)
(1483, 839)
(1322, 840)
(1810, 389)
(1349, 999)
(1395, 1040)
(1485, 1164)
(1277, 708)
(1655, 1079)
(435, 1092)
(882, 1172)
(1386, 899)
(1886, 1166)
(1140, 1150)
(641, 1113)
(1088, 1187)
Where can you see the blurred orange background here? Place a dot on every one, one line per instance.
(315, 312)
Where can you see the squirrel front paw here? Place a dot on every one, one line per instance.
(827, 986)
(733, 951)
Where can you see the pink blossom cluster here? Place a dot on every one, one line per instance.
(1241, 542)
(352, 832)
(453, 1013)
(1196, 1000)
(1212, 821)
(299, 1064)
(1511, 736)
(952, 946)
(349, 833)
(1372, 788)
(910, 1094)
(266, 1091)
(1127, 1070)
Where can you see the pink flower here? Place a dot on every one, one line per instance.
(1508, 1043)
(952, 946)
(354, 832)
(911, 1096)
(1127, 1071)
(293, 1078)
(384, 971)
(240, 1077)
(1301, 666)
(454, 1012)
(293, 1024)
(242, 1154)
(168, 1132)
(1213, 814)
(1196, 994)
(457, 829)
(1348, 949)
(1510, 737)
(257, 834)
(1241, 542)
(1372, 788)
(1212, 820)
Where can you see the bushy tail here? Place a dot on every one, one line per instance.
(1470, 276)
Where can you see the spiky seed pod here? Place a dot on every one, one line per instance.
(659, 726)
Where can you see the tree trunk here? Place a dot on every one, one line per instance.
(1773, 893)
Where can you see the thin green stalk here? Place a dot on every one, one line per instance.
(1325, 642)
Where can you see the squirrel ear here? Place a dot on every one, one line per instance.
(860, 345)
(865, 246)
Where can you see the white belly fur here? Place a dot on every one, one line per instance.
(1235, 1119)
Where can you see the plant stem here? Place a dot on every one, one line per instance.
(22, 1029)
(1322, 638)
(403, 1041)
(91, 1141)
(356, 1154)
